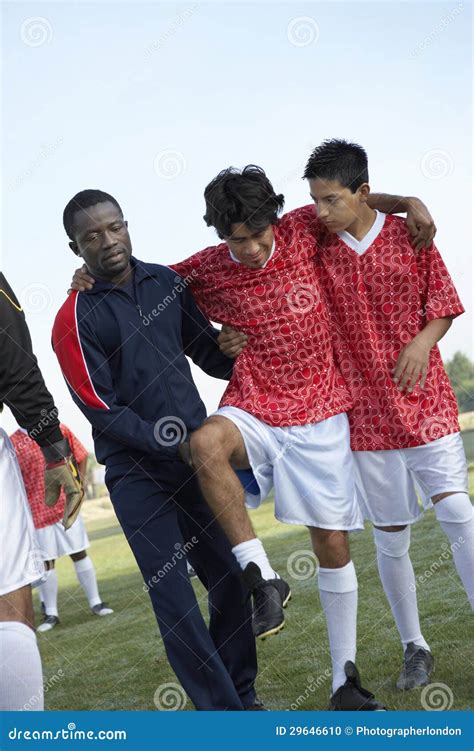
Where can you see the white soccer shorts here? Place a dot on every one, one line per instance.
(55, 541)
(387, 481)
(309, 466)
(21, 561)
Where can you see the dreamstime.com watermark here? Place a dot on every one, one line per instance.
(181, 552)
(38, 698)
(312, 685)
(179, 287)
(178, 21)
(436, 565)
(447, 19)
(67, 734)
(170, 697)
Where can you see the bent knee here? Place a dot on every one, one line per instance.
(214, 439)
(331, 547)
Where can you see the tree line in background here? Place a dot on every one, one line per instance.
(460, 370)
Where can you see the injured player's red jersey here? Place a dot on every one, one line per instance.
(379, 299)
(286, 375)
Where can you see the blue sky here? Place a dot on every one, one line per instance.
(150, 101)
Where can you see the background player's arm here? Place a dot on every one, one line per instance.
(419, 221)
(413, 360)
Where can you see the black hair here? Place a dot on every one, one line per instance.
(82, 201)
(336, 159)
(241, 197)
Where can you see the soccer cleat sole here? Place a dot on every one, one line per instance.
(271, 632)
(276, 629)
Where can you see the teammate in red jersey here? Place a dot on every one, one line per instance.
(389, 307)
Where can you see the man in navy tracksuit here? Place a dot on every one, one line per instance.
(122, 348)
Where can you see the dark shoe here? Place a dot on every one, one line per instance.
(351, 696)
(49, 622)
(257, 706)
(270, 596)
(42, 608)
(102, 609)
(417, 667)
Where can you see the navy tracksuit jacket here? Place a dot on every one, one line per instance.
(123, 355)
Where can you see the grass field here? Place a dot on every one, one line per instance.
(118, 662)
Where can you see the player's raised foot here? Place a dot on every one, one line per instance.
(49, 622)
(269, 596)
(101, 609)
(351, 696)
(417, 667)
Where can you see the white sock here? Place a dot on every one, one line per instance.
(338, 595)
(253, 550)
(455, 515)
(398, 580)
(87, 579)
(49, 590)
(21, 674)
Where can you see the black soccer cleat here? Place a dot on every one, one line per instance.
(101, 609)
(49, 622)
(351, 696)
(270, 596)
(417, 667)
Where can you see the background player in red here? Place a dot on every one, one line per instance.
(389, 308)
(53, 540)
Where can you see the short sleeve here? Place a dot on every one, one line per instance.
(439, 295)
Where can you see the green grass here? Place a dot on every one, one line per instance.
(118, 662)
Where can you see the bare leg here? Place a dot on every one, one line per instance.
(78, 556)
(331, 547)
(216, 448)
(18, 606)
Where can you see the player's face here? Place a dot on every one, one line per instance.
(337, 207)
(251, 247)
(102, 240)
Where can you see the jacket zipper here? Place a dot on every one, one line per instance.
(157, 357)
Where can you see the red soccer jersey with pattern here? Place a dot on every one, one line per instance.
(286, 375)
(378, 301)
(31, 462)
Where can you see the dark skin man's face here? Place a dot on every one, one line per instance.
(101, 239)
